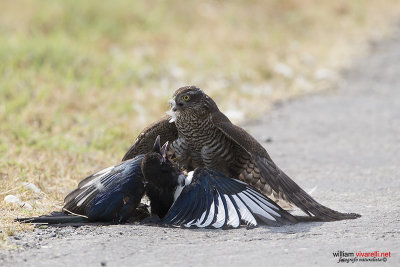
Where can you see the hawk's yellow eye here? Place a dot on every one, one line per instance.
(186, 97)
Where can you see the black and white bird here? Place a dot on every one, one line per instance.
(207, 198)
(110, 195)
(202, 136)
(203, 198)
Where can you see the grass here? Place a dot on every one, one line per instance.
(80, 79)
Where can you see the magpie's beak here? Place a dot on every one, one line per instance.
(157, 147)
(164, 150)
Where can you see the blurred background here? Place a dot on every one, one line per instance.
(80, 79)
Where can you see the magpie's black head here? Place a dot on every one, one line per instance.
(158, 170)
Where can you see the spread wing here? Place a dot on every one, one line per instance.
(145, 141)
(216, 201)
(259, 164)
(111, 194)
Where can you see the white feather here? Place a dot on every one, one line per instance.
(99, 175)
(233, 217)
(82, 193)
(189, 223)
(99, 185)
(255, 209)
(220, 221)
(182, 182)
(179, 188)
(86, 197)
(209, 219)
(172, 115)
(198, 222)
(246, 215)
(261, 198)
(189, 178)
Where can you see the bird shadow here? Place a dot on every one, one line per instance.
(300, 227)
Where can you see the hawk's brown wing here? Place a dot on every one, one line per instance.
(145, 141)
(273, 176)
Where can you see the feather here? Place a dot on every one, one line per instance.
(111, 194)
(145, 141)
(214, 200)
(282, 186)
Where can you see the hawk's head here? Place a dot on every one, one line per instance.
(189, 99)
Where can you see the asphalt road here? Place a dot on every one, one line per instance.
(345, 142)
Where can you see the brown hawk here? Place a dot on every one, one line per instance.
(202, 136)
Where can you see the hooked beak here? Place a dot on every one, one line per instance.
(172, 104)
(172, 111)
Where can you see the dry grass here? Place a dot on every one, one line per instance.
(79, 79)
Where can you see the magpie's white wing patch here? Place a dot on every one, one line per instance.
(220, 216)
(212, 200)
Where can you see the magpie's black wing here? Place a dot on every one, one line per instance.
(111, 194)
(211, 199)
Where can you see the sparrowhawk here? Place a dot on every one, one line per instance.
(202, 136)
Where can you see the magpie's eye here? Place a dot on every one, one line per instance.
(186, 97)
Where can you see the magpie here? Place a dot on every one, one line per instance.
(111, 195)
(203, 198)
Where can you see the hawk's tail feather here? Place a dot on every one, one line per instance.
(311, 207)
(292, 192)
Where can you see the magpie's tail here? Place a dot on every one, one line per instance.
(55, 218)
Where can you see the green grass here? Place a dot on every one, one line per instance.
(80, 79)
